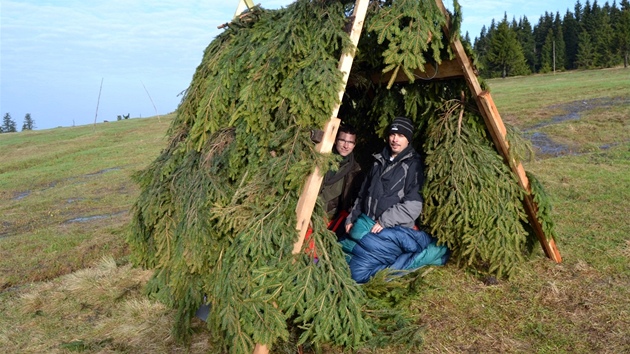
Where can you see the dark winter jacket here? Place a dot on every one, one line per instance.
(339, 188)
(390, 193)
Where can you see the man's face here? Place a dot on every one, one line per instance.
(397, 143)
(345, 143)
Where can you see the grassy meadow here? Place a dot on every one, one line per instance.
(66, 284)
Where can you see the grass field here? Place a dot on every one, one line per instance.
(66, 285)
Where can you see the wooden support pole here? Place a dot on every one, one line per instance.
(497, 130)
(495, 123)
(308, 198)
(445, 70)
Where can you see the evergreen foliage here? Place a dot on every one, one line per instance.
(472, 200)
(544, 206)
(541, 33)
(505, 54)
(526, 40)
(412, 32)
(559, 45)
(592, 36)
(546, 53)
(571, 32)
(29, 123)
(622, 29)
(586, 57)
(8, 124)
(216, 216)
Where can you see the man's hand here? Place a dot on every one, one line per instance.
(376, 228)
(348, 227)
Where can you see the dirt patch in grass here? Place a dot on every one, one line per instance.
(571, 122)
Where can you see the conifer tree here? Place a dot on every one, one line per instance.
(480, 47)
(587, 21)
(603, 37)
(541, 32)
(29, 123)
(528, 44)
(466, 39)
(622, 30)
(546, 53)
(586, 55)
(559, 52)
(578, 11)
(571, 32)
(505, 55)
(8, 124)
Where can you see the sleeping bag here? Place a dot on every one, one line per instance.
(397, 248)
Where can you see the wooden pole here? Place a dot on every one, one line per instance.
(308, 198)
(498, 133)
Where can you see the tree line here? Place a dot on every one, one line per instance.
(9, 126)
(589, 37)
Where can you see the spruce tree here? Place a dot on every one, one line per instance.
(622, 30)
(546, 53)
(541, 32)
(603, 37)
(505, 54)
(528, 44)
(559, 44)
(480, 47)
(571, 32)
(29, 123)
(587, 57)
(8, 124)
(587, 20)
(578, 11)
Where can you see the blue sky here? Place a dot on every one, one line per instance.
(54, 53)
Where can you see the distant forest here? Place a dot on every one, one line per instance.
(591, 36)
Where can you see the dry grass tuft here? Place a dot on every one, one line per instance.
(98, 309)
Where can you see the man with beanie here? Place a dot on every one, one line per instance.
(381, 226)
(390, 195)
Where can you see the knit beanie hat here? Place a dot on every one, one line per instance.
(402, 125)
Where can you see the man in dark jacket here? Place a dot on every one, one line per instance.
(390, 194)
(340, 187)
(381, 226)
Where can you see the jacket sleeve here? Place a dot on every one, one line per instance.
(409, 208)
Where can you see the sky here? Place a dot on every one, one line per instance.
(76, 62)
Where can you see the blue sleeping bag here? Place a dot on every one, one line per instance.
(398, 248)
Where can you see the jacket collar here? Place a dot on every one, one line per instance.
(384, 156)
